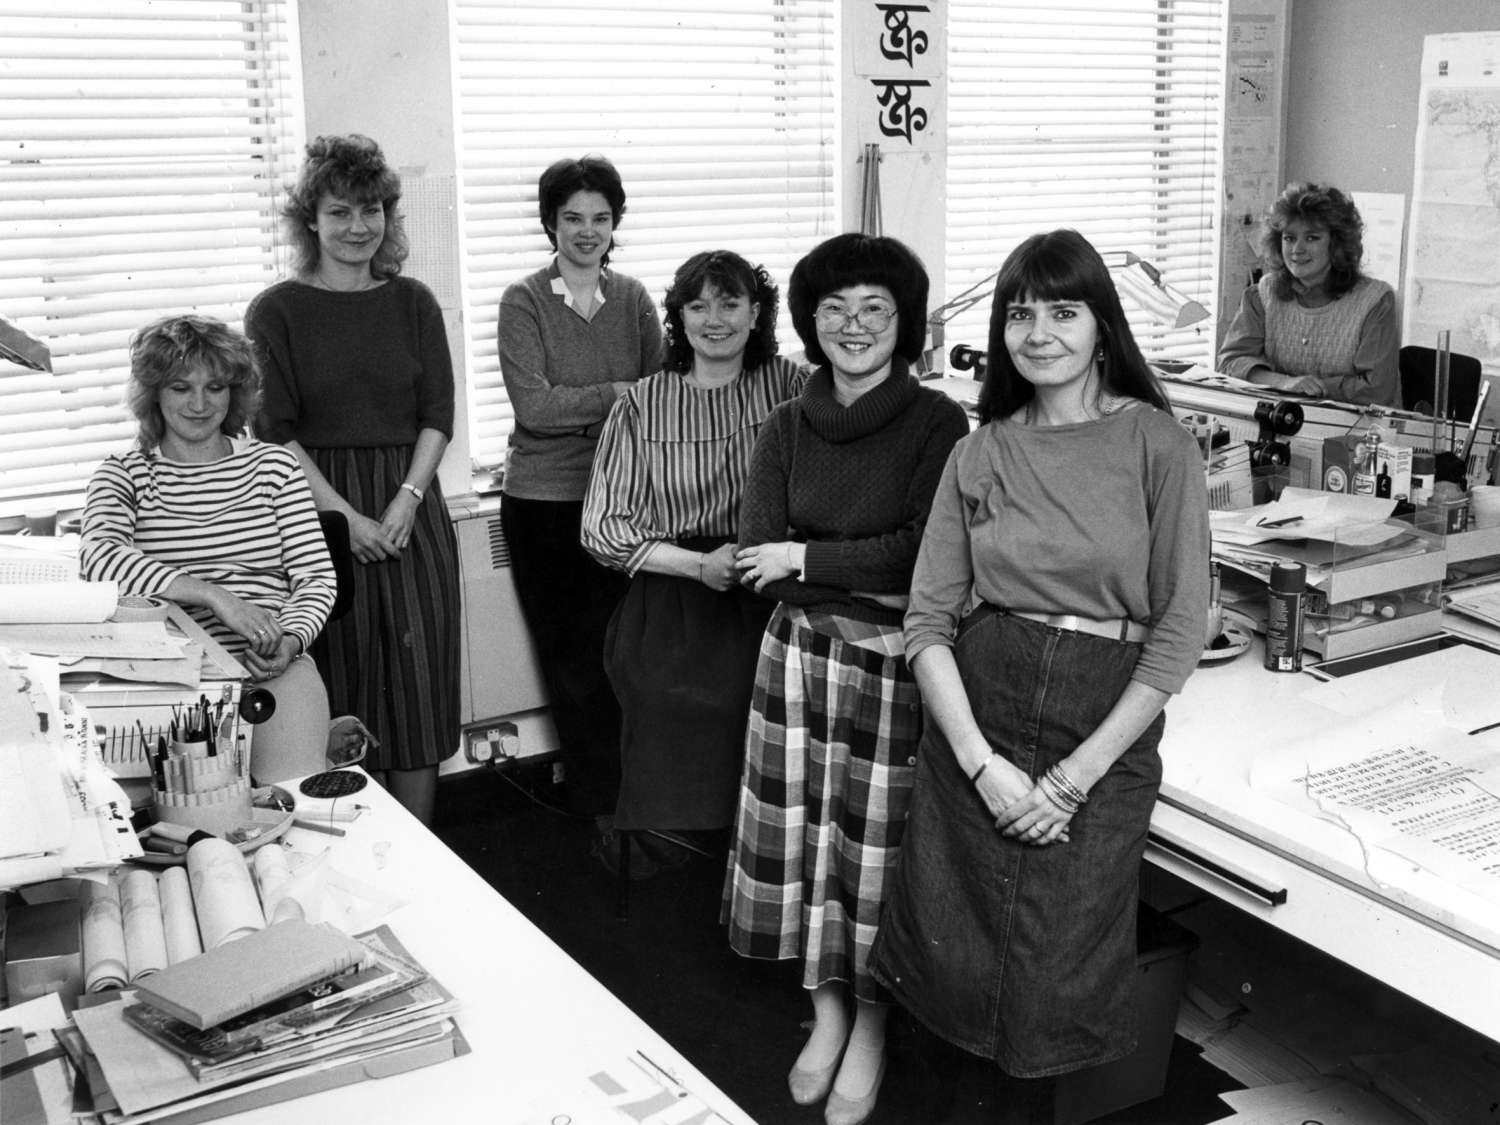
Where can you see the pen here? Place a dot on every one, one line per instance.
(1484, 393)
(315, 826)
(1287, 522)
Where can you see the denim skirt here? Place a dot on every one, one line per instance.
(1020, 954)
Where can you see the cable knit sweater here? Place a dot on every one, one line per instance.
(854, 483)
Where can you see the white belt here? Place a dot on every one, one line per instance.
(1118, 629)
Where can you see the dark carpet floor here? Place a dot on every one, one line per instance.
(737, 1020)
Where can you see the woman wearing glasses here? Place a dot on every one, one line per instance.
(849, 469)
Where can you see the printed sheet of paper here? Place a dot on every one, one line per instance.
(1403, 787)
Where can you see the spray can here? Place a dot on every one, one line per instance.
(1284, 614)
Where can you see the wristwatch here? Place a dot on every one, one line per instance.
(413, 489)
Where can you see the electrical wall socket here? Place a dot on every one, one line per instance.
(492, 742)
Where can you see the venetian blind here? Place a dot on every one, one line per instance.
(144, 146)
(1102, 116)
(719, 115)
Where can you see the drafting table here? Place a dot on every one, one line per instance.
(537, 1022)
(1434, 941)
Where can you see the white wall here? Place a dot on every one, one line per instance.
(382, 69)
(1352, 93)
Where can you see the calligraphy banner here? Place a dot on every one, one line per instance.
(899, 54)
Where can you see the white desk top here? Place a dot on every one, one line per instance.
(1421, 934)
(537, 1022)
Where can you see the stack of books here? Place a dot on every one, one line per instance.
(286, 1011)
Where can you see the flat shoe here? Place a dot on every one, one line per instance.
(851, 1111)
(809, 1087)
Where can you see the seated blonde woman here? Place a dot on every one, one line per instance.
(220, 524)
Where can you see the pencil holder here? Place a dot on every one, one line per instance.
(219, 810)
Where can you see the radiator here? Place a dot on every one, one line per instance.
(501, 680)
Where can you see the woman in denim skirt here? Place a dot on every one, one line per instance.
(1075, 522)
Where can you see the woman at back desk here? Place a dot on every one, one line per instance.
(1314, 324)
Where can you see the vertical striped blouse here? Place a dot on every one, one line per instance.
(672, 461)
(246, 523)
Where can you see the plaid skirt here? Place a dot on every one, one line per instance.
(830, 751)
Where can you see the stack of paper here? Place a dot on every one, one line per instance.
(40, 582)
(61, 811)
(344, 1010)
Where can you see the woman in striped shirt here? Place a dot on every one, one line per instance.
(663, 506)
(220, 524)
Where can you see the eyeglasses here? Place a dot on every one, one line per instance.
(836, 318)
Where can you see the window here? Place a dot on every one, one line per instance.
(719, 115)
(144, 146)
(1103, 116)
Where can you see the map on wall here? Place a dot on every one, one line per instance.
(1453, 246)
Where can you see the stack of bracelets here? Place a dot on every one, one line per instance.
(1062, 791)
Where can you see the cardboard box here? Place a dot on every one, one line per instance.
(1162, 948)
(44, 951)
(1396, 460)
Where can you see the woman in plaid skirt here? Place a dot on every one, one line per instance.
(839, 487)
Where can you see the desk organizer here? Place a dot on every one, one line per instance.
(1379, 598)
(1360, 596)
(198, 789)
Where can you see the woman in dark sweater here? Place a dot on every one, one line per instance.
(849, 468)
(359, 385)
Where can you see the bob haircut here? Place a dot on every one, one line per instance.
(1317, 205)
(860, 259)
(175, 346)
(566, 177)
(351, 168)
(1062, 265)
(725, 272)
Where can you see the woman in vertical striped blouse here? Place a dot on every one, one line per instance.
(220, 524)
(663, 506)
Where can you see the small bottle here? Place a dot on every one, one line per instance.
(1422, 467)
(1363, 483)
(1284, 616)
(1383, 481)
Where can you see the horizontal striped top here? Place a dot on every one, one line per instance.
(245, 523)
(672, 461)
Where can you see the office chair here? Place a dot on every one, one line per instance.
(336, 535)
(1418, 381)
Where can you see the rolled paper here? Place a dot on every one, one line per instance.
(223, 893)
(103, 939)
(179, 922)
(140, 909)
(272, 876)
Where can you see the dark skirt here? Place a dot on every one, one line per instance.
(1021, 954)
(393, 660)
(829, 761)
(681, 658)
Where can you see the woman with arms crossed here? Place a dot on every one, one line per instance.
(201, 515)
(1314, 324)
(573, 337)
(359, 385)
(663, 506)
(1077, 518)
(839, 489)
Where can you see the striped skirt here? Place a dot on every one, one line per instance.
(829, 754)
(393, 659)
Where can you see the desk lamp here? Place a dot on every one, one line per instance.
(1133, 276)
(20, 346)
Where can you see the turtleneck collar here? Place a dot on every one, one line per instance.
(871, 411)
